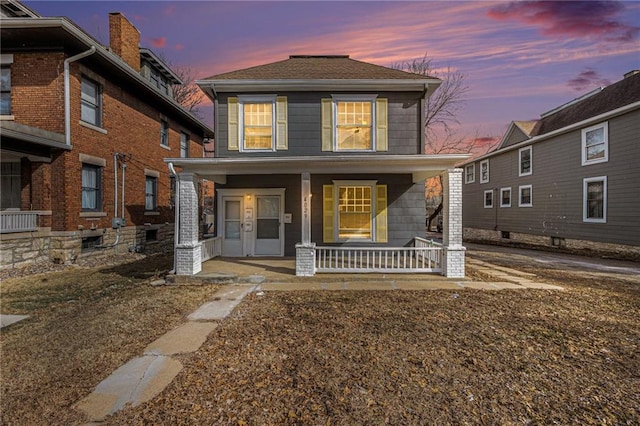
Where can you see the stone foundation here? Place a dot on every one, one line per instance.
(596, 248)
(21, 249)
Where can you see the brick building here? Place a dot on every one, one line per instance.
(84, 130)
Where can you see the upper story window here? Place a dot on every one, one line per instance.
(5, 90)
(484, 171)
(91, 102)
(91, 187)
(257, 123)
(470, 173)
(594, 199)
(164, 133)
(595, 144)
(184, 145)
(159, 81)
(525, 161)
(525, 196)
(354, 123)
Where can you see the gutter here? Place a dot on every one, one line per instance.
(604, 116)
(67, 89)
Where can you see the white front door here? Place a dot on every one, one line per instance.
(268, 236)
(232, 237)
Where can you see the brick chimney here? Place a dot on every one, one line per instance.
(124, 39)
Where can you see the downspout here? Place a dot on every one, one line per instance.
(176, 225)
(67, 90)
(115, 200)
(124, 168)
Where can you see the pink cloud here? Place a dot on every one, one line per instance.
(591, 19)
(169, 10)
(159, 42)
(587, 79)
(179, 46)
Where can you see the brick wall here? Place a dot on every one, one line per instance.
(124, 39)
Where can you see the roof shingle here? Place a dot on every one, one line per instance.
(326, 67)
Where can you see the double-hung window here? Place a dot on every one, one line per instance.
(595, 144)
(525, 162)
(257, 123)
(354, 123)
(505, 197)
(151, 193)
(488, 199)
(595, 199)
(355, 211)
(91, 187)
(10, 186)
(484, 171)
(91, 102)
(5, 90)
(470, 173)
(525, 196)
(164, 133)
(184, 145)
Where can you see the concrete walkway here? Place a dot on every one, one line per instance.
(7, 320)
(143, 378)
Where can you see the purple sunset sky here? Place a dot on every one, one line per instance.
(520, 59)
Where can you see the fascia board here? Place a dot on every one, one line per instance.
(404, 85)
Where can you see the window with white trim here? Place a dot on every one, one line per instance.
(488, 199)
(594, 199)
(257, 123)
(5, 90)
(354, 123)
(505, 197)
(470, 173)
(355, 211)
(595, 144)
(484, 171)
(184, 145)
(91, 102)
(91, 187)
(525, 196)
(525, 161)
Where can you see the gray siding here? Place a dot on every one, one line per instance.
(305, 126)
(557, 181)
(406, 204)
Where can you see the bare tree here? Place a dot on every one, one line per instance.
(187, 94)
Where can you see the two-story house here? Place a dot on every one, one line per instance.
(84, 129)
(322, 158)
(569, 179)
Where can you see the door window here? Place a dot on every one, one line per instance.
(268, 219)
(232, 220)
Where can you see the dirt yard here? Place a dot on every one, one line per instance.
(347, 358)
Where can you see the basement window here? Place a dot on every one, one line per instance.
(558, 242)
(90, 243)
(505, 234)
(151, 235)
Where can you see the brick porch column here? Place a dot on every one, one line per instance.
(187, 245)
(454, 251)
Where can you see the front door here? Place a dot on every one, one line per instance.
(268, 235)
(233, 237)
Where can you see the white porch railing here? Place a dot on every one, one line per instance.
(17, 221)
(424, 256)
(210, 248)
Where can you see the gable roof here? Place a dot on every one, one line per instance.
(326, 67)
(321, 73)
(619, 94)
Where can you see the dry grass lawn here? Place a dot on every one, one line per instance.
(346, 358)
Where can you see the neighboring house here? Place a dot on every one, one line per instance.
(569, 179)
(84, 130)
(322, 158)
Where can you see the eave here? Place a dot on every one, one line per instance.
(419, 166)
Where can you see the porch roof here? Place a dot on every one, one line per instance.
(420, 166)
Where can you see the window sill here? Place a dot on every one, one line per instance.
(590, 162)
(152, 213)
(92, 127)
(7, 117)
(165, 147)
(93, 214)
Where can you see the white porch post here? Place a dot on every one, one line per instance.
(187, 248)
(454, 251)
(305, 250)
